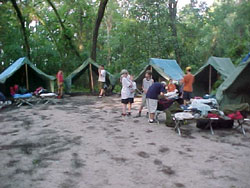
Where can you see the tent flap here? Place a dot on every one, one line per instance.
(236, 88)
(216, 68)
(68, 81)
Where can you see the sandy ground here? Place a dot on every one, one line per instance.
(84, 142)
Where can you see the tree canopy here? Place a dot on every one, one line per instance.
(59, 34)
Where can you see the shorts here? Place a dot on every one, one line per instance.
(131, 100)
(125, 101)
(101, 85)
(187, 95)
(152, 105)
(143, 102)
(60, 84)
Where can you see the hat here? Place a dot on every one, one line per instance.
(188, 68)
(124, 71)
(163, 83)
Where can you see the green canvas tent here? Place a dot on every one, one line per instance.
(162, 69)
(236, 88)
(92, 68)
(23, 73)
(214, 69)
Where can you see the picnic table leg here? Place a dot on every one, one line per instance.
(211, 127)
(240, 124)
(47, 101)
(28, 103)
(19, 104)
(178, 127)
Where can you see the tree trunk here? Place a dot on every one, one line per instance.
(100, 15)
(64, 30)
(80, 45)
(172, 6)
(109, 28)
(22, 22)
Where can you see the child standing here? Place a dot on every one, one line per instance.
(146, 83)
(102, 80)
(59, 77)
(171, 86)
(125, 92)
(132, 95)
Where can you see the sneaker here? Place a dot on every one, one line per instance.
(100, 96)
(124, 114)
(152, 121)
(129, 114)
(138, 115)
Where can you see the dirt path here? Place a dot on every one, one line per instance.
(84, 142)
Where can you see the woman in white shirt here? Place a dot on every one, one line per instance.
(125, 92)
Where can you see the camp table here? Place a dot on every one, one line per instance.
(180, 122)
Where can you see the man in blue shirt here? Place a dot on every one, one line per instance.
(152, 98)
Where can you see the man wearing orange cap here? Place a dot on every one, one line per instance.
(188, 81)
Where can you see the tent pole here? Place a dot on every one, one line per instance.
(27, 76)
(91, 78)
(210, 79)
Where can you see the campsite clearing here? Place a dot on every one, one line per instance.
(84, 142)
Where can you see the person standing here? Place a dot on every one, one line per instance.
(171, 86)
(102, 80)
(125, 92)
(131, 95)
(59, 77)
(188, 81)
(152, 98)
(146, 83)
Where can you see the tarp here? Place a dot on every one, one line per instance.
(161, 68)
(110, 79)
(15, 74)
(236, 88)
(246, 58)
(221, 68)
(170, 67)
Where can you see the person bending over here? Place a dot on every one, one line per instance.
(152, 98)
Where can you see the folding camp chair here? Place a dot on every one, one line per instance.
(240, 125)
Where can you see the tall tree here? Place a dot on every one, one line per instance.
(172, 7)
(66, 34)
(100, 14)
(23, 28)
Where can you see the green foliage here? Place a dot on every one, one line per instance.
(131, 33)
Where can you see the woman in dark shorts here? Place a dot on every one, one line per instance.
(125, 92)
